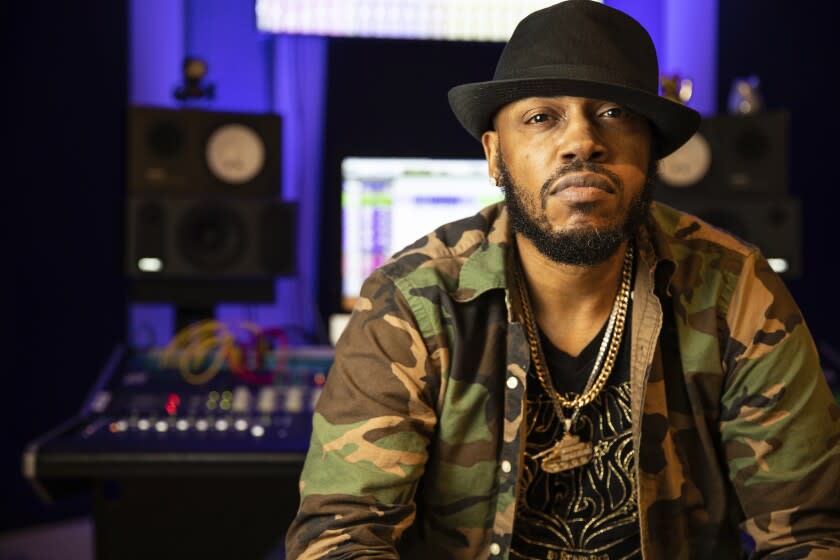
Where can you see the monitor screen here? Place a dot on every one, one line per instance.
(388, 203)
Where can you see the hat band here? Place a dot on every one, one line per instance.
(579, 72)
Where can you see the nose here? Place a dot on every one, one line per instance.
(581, 142)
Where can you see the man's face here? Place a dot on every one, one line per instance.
(574, 171)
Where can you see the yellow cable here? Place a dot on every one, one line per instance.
(189, 348)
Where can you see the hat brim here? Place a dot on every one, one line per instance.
(475, 104)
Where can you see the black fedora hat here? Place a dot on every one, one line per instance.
(579, 48)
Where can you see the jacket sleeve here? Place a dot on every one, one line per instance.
(780, 423)
(371, 429)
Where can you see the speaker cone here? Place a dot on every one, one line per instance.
(211, 237)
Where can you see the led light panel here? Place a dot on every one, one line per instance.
(455, 20)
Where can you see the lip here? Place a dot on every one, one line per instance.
(586, 181)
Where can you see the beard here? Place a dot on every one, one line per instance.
(579, 246)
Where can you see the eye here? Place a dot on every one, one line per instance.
(615, 113)
(539, 118)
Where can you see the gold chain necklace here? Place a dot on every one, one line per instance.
(569, 452)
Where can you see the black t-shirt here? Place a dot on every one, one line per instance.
(589, 512)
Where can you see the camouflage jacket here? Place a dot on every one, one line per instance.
(417, 437)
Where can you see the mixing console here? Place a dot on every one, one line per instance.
(148, 416)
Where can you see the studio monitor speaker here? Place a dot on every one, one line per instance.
(181, 151)
(202, 238)
(772, 223)
(731, 155)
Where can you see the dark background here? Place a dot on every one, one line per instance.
(65, 96)
(65, 91)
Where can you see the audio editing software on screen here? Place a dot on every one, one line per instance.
(388, 203)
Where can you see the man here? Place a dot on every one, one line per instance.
(577, 373)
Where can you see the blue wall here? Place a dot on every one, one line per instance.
(685, 35)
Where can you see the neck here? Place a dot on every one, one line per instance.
(570, 303)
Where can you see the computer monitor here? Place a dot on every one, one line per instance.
(388, 203)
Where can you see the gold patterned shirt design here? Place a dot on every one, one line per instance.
(589, 512)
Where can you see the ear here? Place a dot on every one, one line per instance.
(490, 143)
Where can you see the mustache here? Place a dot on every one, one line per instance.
(601, 178)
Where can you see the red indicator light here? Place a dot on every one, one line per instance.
(172, 402)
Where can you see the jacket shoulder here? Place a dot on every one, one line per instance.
(708, 263)
(441, 254)
(680, 227)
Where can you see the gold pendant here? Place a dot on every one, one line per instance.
(565, 454)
